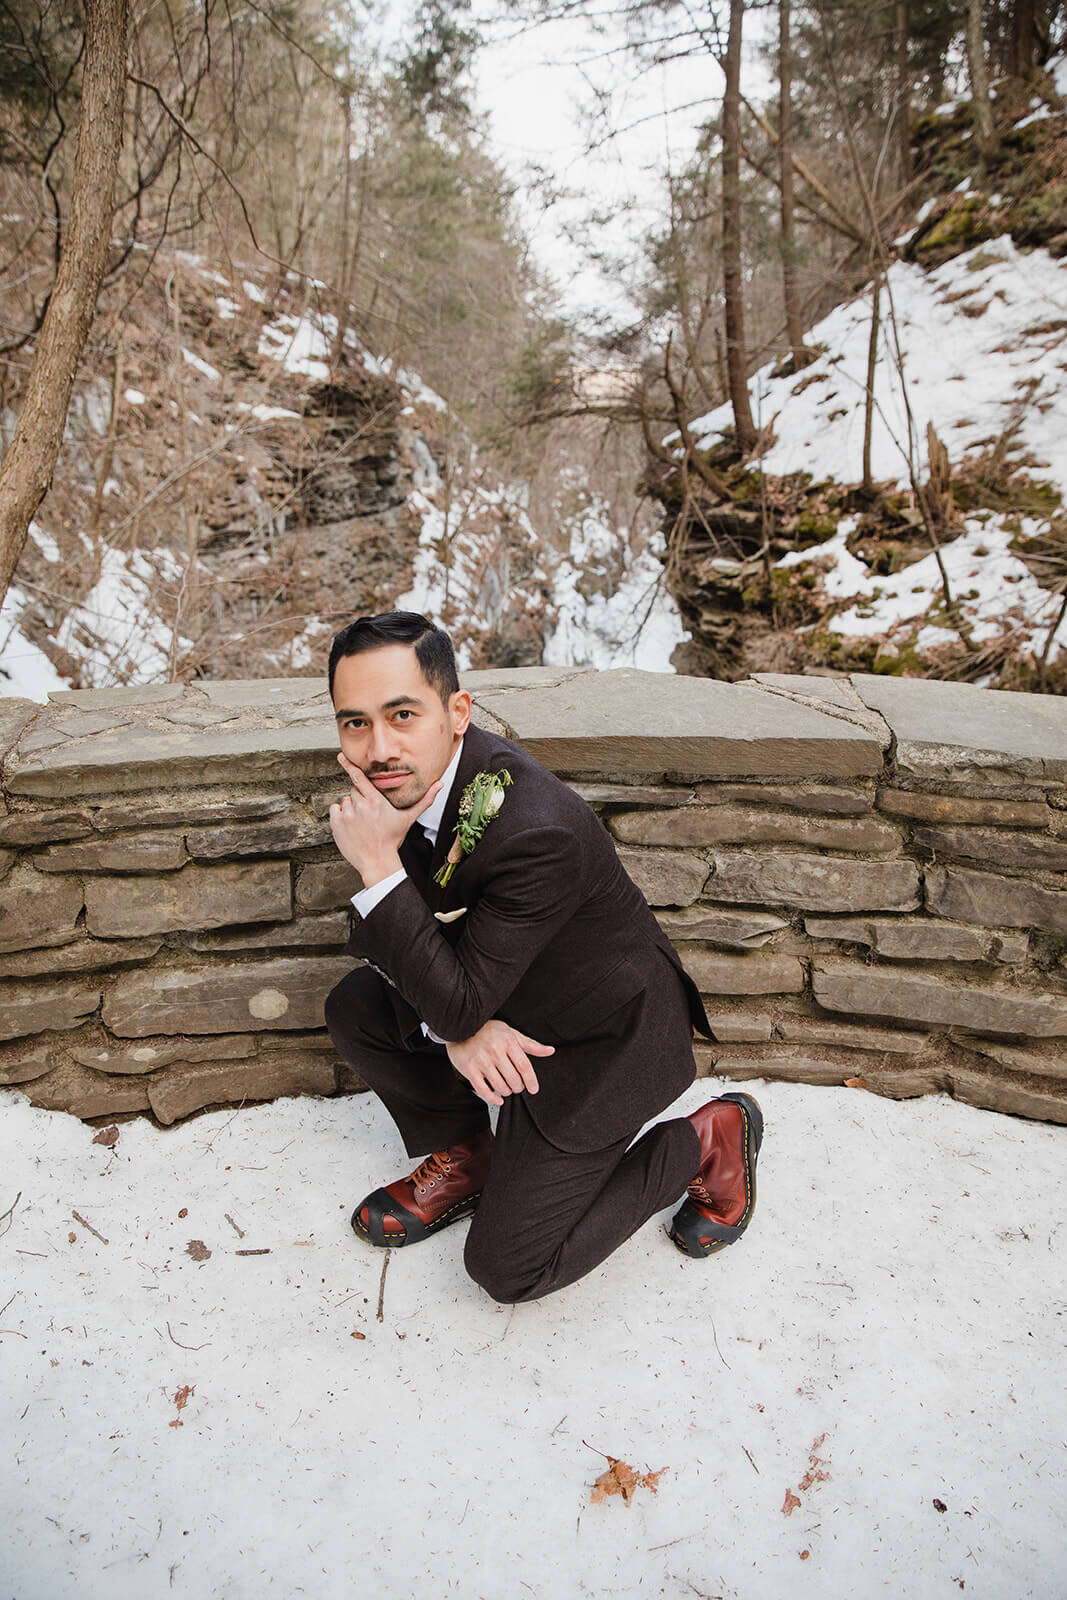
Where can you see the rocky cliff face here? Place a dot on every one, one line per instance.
(246, 478)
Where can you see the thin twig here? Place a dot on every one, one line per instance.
(715, 1336)
(748, 1453)
(181, 1346)
(79, 1218)
(8, 1215)
(239, 1231)
(381, 1286)
(251, 1252)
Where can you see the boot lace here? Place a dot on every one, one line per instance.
(435, 1169)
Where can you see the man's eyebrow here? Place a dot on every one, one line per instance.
(390, 705)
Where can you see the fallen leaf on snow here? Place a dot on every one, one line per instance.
(108, 1136)
(855, 1083)
(182, 1397)
(790, 1503)
(357, 1335)
(198, 1250)
(620, 1478)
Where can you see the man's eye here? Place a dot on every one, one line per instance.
(404, 716)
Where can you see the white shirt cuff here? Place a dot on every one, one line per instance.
(366, 899)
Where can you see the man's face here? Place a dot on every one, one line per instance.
(393, 724)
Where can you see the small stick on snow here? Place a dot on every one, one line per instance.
(749, 1454)
(181, 1346)
(251, 1252)
(79, 1218)
(381, 1286)
(6, 1216)
(240, 1232)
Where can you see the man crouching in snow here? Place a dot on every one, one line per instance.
(511, 962)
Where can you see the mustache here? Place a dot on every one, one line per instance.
(377, 768)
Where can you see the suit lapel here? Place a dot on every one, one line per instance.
(475, 754)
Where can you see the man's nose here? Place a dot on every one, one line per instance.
(383, 744)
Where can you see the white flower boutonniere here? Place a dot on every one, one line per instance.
(478, 805)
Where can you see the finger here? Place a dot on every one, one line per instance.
(349, 766)
(533, 1047)
(499, 1082)
(510, 1070)
(484, 1092)
(524, 1068)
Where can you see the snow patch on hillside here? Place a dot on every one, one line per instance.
(978, 349)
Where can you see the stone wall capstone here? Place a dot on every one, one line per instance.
(866, 876)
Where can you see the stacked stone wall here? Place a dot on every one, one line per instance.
(866, 877)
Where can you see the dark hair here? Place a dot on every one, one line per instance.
(433, 647)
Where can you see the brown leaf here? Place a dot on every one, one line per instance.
(855, 1083)
(357, 1335)
(182, 1397)
(108, 1136)
(72, 1238)
(939, 1505)
(804, 1554)
(620, 1478)
(790, 1503)
(198, 1250)
(184, 1212)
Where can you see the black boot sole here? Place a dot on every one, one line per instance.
(381, 1204)
(693, 1233)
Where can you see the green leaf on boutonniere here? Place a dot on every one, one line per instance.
(478, 805)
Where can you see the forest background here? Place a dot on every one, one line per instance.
(274, 345)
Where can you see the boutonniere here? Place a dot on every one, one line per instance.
(478, 805)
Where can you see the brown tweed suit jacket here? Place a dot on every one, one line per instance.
(556, 940)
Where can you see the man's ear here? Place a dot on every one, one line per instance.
(459, 707)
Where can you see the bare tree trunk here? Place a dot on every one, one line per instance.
(1029, 36)
(793, 321)
(732, 272)
(988, 141)
(903, 92)
(872, 371)
(30, 461)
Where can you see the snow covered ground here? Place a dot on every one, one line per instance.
(978, 348)
(865, 1397)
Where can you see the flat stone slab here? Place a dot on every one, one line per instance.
(958, 731)
(15, 715)
(629, 721)
(226, 998)
(929, 999)
(121, 762)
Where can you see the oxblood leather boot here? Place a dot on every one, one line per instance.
(443, 1189)
(722, 1196)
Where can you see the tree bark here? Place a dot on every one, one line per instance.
(793, 321)
(1029, 36)
(732, 271)
(903, 31)
(988, 141)
(30, 460)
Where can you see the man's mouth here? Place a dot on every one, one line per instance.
(389, 779)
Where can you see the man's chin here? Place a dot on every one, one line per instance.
(402, 799)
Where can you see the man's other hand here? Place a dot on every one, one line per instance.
(496, 1061)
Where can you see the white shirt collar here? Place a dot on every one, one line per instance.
(430, 819)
